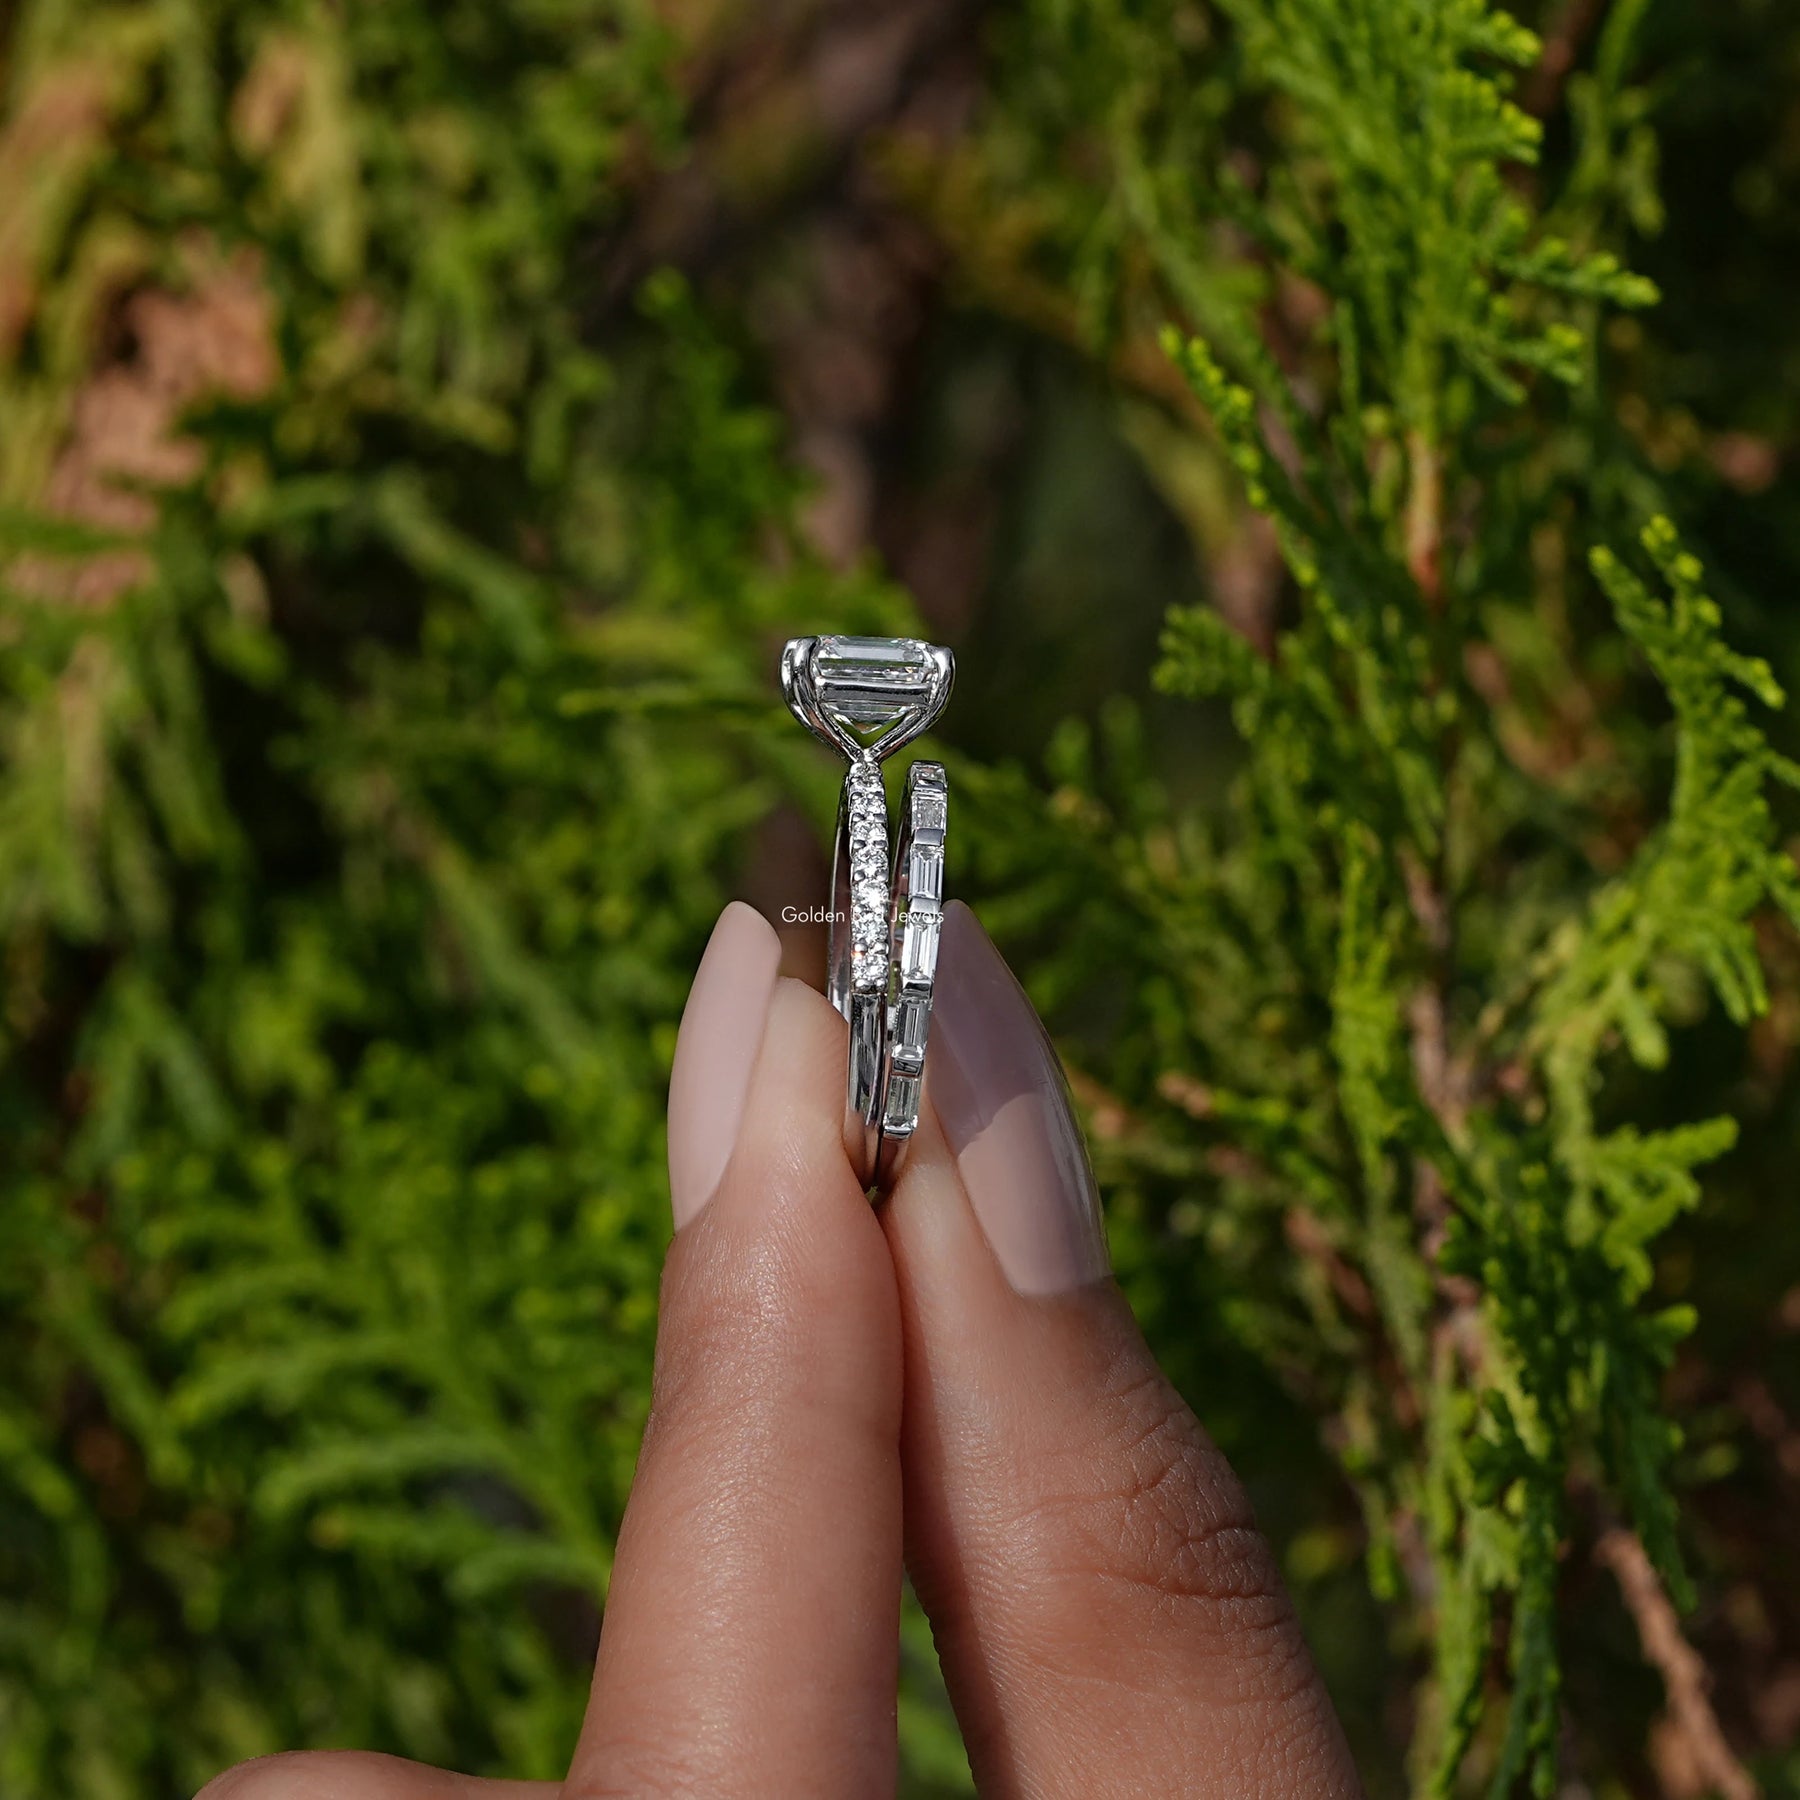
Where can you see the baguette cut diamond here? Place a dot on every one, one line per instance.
(919, 945)
(918, 919)
(912, 1022)
(900, 1116)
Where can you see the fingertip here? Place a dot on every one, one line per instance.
(795, 1111)
(788, 1249)
(1003, 1102)
(716, 1052)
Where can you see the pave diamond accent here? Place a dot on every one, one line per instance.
(870, 944)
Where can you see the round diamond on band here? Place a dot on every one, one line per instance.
(867, 811)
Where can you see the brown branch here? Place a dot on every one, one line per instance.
(1109, 1119)
(1764, 1415)
(1686, 1684)
(1564, 37)
(1425, 517)
(1308, 1239)
(1445, 1083)
(779, 114)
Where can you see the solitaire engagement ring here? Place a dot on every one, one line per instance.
(866, 697)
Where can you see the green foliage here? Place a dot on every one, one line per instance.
(332, 1229)
(1395, 885)
(387, 617)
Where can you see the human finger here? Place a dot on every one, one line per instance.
(1110, 1619)
(749, 1645)
(360, 1775)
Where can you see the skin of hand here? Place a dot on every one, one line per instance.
(951, 1381)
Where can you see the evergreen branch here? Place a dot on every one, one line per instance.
(342, 967)
(1692, 890)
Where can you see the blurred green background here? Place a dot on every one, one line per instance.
(420, 426)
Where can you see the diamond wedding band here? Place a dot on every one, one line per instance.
(866, 697)
(916, 917)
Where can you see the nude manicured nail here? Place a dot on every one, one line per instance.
(715, 1055)
(1001, 1096)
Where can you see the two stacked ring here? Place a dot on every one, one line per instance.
(865, 697)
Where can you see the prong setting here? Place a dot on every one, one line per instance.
(866, 696)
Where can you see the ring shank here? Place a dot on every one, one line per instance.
(915, 925)
(863, 1007)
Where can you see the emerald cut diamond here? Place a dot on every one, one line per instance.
(866, 695)
(871, 683)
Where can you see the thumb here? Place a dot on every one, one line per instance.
(1110, 1619)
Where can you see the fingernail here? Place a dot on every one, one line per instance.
(715, 1054)
(1001, 1096)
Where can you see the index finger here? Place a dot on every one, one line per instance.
(750, 1642)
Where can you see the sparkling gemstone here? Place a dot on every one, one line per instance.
(919, 949)
(912, 1021)
(871, 682)
(902, 1103)
(925, 876)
